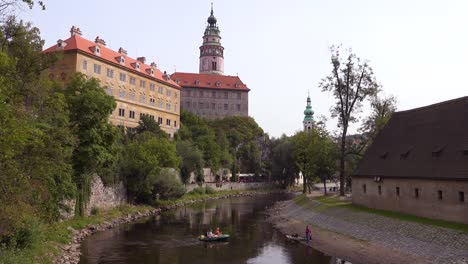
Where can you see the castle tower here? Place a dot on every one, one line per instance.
(211, 51)
(308, 116)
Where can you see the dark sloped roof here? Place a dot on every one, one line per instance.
(428, 142)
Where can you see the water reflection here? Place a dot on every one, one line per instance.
(172, 237)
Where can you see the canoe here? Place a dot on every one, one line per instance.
(298, 238)
(214, 238)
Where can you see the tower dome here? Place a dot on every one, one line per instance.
(308, 116)
(212, 19)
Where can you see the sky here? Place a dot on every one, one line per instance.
(418, 49)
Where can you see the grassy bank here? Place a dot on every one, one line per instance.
(328, 202)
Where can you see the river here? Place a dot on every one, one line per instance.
(172, 237)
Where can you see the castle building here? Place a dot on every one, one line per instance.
(308, 121)
(418, 164)
(138, 88)
(210, 93)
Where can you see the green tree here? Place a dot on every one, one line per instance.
(150, 125)
(284, 168)
(90, 108)
(191, 160)
(351, 82)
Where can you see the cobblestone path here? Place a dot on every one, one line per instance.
(441, 245)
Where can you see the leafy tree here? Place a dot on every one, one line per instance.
(284, 168)
(142, 162)
(8, 5)
(351, 82)
(382, 109)
(191, 160)
(150, 125)
(90, 108)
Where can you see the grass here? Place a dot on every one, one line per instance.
(55, 234)
(199, 196)
(328, 202)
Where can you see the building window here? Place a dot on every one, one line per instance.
(175, 107)
(168, 93)
(152, 87)
(168, 122)
(152, 101)
(213, 65)
(122, 77)
(187, 104)
(200, 105)
(189, 93)
(85, 65)
(142, 84)
(132, 80)
(121, 112)
(397, 191)
(213, 106)
(226, 95)
(110, 73)
(142, 99)
(364, 188)
(160, 119)
(168, 106)
(132, 114)
(238, 107)
(416, 192)
(239, 96)
(97, 69)
(160, 103)
(175, 123)
(151, 117)
(226, 106)
(108, 91)
(161, 90)
(142, 115)
(380, 190)
(122, 94)
(201, 93)
(461, 197)
(439, 194)
(213, 94)
(132, 96)
(175, 95)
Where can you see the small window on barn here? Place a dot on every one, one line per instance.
(465, 151)
(380, 190)
(405, 154)
(397, 190)
(364, 190)
(437, 150)
(439, 194)
(416, 193)
(461, 197)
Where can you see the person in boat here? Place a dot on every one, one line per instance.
(210, 233)
(217, 233)
(308, 237)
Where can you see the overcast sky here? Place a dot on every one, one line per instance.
(280, 49)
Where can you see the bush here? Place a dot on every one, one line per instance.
(198, 190)
(95, 211)
(209, 190)
(25, 235)
(168, 186)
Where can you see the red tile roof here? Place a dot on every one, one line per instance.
(76, 42)
(211, 81)
(428, 142)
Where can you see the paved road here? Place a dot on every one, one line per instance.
(441, 245)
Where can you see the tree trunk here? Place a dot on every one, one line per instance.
(342, 160)
(304, 183)
(325, 186)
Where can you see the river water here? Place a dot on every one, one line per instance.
(172, 237)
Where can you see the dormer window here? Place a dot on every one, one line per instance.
(61, 44)
(218, 83)
(197, 82)
(122, 60)
(437, 150)
(406, 153)
(137, 66)
(97, 50)
(152, 72)
(237, 85)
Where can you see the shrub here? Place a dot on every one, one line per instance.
(209, 190)
(198, 190)
(95, 211)
(168, 186)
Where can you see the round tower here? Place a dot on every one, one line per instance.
(211, 51)
(308, 116)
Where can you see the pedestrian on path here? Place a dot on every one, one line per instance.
(308, 236)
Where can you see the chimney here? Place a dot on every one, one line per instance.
(153, 65)
(141, 59)
(61, 44)
(100, 41)
(122, 51)
(166, 76)
(75, 31)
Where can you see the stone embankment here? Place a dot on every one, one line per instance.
(70, 253)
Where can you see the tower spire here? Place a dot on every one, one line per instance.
(308, 115)
(211, 8)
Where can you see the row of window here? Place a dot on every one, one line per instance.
(213, 94)
(132, 80)
(131, 115)
(142, 99)
(416, 192)
(210, 106)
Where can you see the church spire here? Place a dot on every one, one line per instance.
(308, 115)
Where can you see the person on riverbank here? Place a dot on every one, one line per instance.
(308, 236)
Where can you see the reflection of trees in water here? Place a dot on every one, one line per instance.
(172, 237)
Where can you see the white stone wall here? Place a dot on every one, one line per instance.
(103, 197)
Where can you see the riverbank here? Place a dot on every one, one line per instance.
(364, 237)
(60, 242)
